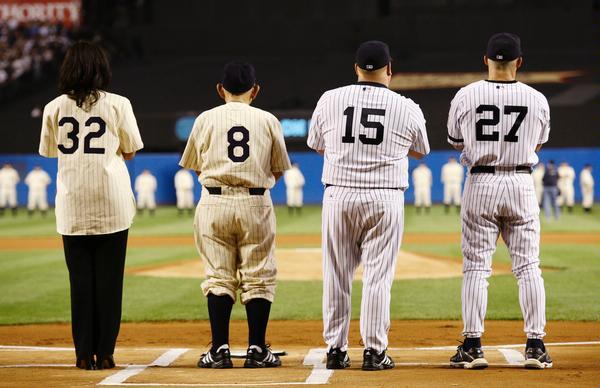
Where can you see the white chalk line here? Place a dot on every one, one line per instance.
(17, 348)
(513, 357)
(318, 375)
(163, 360)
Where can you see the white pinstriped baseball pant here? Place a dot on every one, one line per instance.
(360, 226)
(504, 203)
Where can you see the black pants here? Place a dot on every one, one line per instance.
(96, 264)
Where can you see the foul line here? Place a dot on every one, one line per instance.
(512, 356)
(319, 374)
(164, 359)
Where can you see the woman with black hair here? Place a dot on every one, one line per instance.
(92, 132)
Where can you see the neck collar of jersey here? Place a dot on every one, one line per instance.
(501, 82)
(369, 83)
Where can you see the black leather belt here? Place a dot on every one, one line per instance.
(492, 169)
(251, 190)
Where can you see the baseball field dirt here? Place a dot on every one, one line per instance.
(36, 355)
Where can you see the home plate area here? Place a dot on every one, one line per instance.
(418, 366)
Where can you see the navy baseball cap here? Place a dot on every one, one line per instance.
(238, 77)
(373, 55)
(504, 46)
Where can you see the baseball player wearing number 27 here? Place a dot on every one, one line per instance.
(238, 152)
(499, 124)
(366, 133)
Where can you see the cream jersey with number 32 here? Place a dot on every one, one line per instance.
(236, 144)
(93, 194)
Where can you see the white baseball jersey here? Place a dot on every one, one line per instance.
(184, 180)
(294, 182)
(500, 124)
(236, 144)
(422, 181)
(37, 180)
(9, 178)
(422, 177)
(365, 131)
(146, 183)
(93, 186)
(452, 177)
(236, 147)
(566, 180)
(488, 118)
(586, 181)
(184, 189)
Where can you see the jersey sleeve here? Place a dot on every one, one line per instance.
(420, 142)
(455, 137)
(545, 121)
(48, 139)
(129, 134)
(280, 160)
(315, 139)
(191, 157)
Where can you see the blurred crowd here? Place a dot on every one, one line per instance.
(30, 51)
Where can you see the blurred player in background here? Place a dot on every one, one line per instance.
(91, 132)
(586, 181)
(422, 182)
(566, 186)
(538, 177)
(239, 152)
(294, 184)
(145, 187)
(9, 178)
(550, 182)
(37, 198)
(452, 177)
(184, 190)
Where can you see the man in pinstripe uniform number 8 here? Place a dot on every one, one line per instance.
(238, 152)
(366, 132)
(499, 124)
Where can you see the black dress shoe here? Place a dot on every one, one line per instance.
(105, 362)
(85, 363)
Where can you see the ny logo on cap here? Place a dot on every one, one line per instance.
(499, 56)
(369, 67)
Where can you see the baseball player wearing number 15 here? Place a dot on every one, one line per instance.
(499, 124)
(238, 152)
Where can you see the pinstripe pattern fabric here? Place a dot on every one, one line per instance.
(365, 165)
(360, 226)
(235, 231)
(365, 131)
(93, 193)
(503, 203)
(235, 236)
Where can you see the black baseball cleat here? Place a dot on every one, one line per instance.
(221, 359)
(374, 361)
(257, 357)
(468, 359)
(86, 363)
(105, 362)
(336, 359)
(537, 358)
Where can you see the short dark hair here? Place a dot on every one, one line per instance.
(85, 71)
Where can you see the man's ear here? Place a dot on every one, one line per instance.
(485, 60)
(254, 93)
(356, 69)
(519, 62)
(221, 90)
(389, 68)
